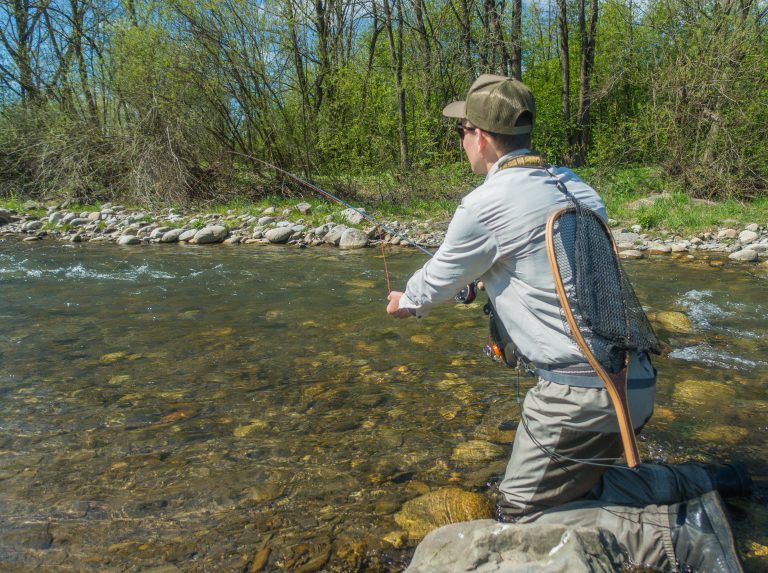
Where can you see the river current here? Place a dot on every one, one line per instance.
(182, 408)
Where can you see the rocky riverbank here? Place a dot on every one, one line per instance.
(347, 229)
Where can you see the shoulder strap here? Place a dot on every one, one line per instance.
(529, 160)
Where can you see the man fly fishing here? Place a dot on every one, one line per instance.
(535, 236)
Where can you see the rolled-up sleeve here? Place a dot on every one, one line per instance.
(469, 250)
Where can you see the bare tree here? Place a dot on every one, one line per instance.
(588, 32)
(395, 39)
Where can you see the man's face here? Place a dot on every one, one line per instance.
(470, 141)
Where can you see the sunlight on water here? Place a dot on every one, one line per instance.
(207, 405)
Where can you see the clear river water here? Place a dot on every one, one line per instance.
(212, 408)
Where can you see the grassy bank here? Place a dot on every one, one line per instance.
(639, 195)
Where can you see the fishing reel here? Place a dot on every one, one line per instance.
(468, 294)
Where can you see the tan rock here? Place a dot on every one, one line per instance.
(631, 254)
(477, 451)
(423, 339)
(440, 507)
(659, 249)
(672, 321)
(727, 234)
(396, 538)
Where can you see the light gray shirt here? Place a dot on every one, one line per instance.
(497, 235)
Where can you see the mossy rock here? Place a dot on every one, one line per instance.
(440, 507)
(672, 321)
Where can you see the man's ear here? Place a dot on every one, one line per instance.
(482, 141)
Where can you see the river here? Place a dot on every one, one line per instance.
(183, 408)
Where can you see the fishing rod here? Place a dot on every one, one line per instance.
(328, 195)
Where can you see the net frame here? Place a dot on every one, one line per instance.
(563, 263)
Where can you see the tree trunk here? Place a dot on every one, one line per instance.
(588, 35)
(426, 50)
(465, 24)
(321, 22)
(565, 76)
(396, 51)
(517, 39)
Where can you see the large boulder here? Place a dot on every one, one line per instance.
(486, 546)
(353, 239)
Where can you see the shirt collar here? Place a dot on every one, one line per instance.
(495, 167)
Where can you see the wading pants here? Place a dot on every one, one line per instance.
(548, 480)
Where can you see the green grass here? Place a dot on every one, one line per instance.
(674, 211)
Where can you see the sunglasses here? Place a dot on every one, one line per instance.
(462, 129)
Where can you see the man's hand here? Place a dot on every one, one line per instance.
(393, 307)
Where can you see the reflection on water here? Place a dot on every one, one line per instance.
(215, 407)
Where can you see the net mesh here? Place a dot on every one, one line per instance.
(600, 295)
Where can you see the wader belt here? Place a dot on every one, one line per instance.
(583, 376)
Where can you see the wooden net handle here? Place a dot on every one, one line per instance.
(616, 384)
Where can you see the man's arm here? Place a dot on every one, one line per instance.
(468, 251)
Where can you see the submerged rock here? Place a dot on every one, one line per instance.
(672, 321)
(477, 451)
(490, 547)
(703, 392)
(440, 507)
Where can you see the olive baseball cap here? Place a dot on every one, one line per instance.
(494, 104)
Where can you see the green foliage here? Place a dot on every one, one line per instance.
(172, 91)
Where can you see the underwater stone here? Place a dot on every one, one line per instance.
(477, 451)
(703, 392)
(440, 507)
(672, 321)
